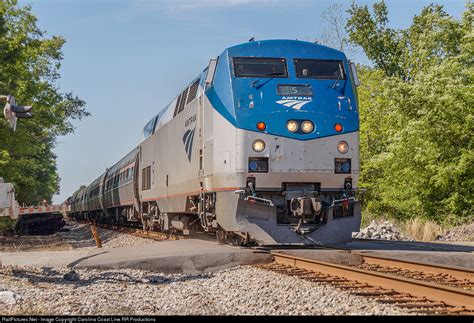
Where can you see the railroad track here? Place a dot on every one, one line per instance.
(154, 235)
(421, 288)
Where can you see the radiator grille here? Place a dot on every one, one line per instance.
(178, 101)
(183, 100)
(146, 178)
(193, 91)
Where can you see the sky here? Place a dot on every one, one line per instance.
(129, 58)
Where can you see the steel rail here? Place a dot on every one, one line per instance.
(460, 273)
(449, 295)
(414, 245)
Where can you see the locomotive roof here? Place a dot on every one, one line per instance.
(263, 48)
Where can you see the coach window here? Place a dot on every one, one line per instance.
(260, 67)
(319, 69)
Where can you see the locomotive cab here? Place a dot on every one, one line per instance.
(295, 108)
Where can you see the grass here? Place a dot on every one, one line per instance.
(421, 230)
(6, 224)
(367, 218)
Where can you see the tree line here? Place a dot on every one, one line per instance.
(416, 113)
(29, 70)
(416, 108)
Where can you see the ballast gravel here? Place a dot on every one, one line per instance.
(382, 231)
(244, 290)
(74, 236)
(79, 235)
(459, 233)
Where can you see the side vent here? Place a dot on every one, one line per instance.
(183, 100)
(186, 97)
(193, 91)
(178, 101)
(146, 178)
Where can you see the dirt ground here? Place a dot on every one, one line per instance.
(73, 236)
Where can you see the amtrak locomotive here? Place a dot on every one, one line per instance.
(261, 147)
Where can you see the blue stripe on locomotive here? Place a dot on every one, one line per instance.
(230, 95)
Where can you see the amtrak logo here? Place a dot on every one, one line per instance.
(188, 142)
(295, 102)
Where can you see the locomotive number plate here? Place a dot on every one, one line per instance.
(300, 90)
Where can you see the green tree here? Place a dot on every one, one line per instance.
(29, 70)
(380, 43)
(416, 109)
(433, 36)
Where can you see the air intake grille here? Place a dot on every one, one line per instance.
(193, 91)
(178, 101)
(183, 100)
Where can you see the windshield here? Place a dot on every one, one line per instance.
(319, 69)
(260, 67)
(149, 127)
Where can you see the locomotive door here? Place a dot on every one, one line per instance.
(136, 180)
(102, 191)
(201, 135)
(206, 128)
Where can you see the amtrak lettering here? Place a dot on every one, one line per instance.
(190, 120)
(295, 102)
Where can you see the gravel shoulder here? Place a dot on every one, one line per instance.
(243, 290)
(76, 236)
(459, 234)
(385, 230)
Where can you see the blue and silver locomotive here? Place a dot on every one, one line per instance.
(262, 146)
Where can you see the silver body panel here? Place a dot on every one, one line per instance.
(225, 152)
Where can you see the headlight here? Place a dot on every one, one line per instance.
(307, 126)
(258, 145)
(342, 147)
(292, 126)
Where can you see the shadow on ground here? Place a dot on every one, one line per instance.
(364, 244)
(54, 276)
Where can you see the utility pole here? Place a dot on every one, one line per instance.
(11, 111)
